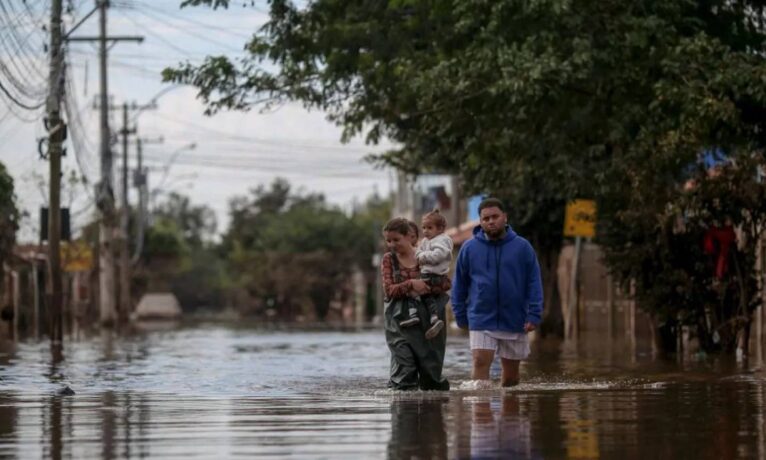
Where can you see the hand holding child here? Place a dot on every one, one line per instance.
(420, 287)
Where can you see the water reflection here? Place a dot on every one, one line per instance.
(218, 392)
(418, 428)
(497, 428)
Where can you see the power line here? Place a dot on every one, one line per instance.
(255, 163)
(78, 138)
(288, 160)
(254, 140)
(26, 73)
(18, 46)
(146, 6)
(244, 167)
(18, 102)
(186, 30)
(162, 39)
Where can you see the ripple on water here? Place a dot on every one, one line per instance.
(210, 392)
(480, 385)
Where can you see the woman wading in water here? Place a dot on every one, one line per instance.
(416, 363)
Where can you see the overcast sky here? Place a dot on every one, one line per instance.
(233, 151)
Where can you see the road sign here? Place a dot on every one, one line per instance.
(580, 219)
(76, 256)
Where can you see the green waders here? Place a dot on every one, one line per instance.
(416, 363)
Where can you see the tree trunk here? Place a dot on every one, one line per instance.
(552, 316)
(665, 335)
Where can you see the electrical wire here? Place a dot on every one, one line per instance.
(18, 64)
(186, 31)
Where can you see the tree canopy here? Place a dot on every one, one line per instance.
(464, 85)
(537, 101)
(9, 214)
(197, 224)
(294, 253)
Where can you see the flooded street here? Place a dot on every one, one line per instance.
(218, 390)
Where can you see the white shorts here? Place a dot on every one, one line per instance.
(506, 345)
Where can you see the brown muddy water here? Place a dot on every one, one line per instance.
(217, 390)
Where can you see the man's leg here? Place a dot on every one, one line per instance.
(510, 375)
(482, 361)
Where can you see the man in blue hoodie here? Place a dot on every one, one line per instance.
(497, 293)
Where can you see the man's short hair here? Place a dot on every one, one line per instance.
(491, 203)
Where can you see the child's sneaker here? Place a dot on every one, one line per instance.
(435, 329)
(410, 322)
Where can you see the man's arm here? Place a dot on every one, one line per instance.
(534, 289)
(460, 285)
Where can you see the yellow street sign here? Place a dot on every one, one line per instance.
(580, 219)
(76, 256)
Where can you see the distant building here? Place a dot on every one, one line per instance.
(414, 196)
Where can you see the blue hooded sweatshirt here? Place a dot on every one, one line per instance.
(497, 285)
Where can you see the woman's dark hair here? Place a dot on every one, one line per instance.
(491, 203)
(398, 225)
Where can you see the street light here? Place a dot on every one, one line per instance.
(182, 182)
(172, 159)
(153, 101)
(153, 197)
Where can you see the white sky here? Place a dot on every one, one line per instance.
(234, 151)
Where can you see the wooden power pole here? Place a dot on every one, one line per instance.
(56, 132)
(125, 304)
(105, 192)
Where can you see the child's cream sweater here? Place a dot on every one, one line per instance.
(434, 255)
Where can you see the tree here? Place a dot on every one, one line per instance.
(678, 266)
(197, 224)
(180, 256)
(604, 99)
(292, 252)
(165, 240)
(9, 215)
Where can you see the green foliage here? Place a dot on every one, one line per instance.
(491, 88)
(293, 252)
(661, 250)
(539, 101)
(197, 224)
(9, 215)
(211, 3)
(165, 240)
(180, 256)
(203, 282)
(368, 220)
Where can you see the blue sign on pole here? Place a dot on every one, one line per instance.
(473, 207)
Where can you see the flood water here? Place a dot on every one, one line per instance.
(222, 390)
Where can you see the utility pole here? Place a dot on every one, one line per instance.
(105, 190)
(140, 181)
(106, 195)
(56, 131)
(124, 305)
(125, 264)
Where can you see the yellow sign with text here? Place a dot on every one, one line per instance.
(580, 219)
(76, 256)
